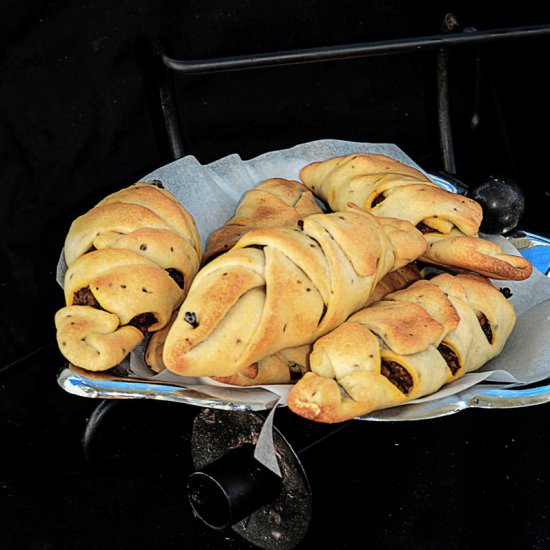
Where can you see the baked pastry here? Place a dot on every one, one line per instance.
(275, 202)
(289, 365)
(283, 287)
(285, 366)
(131, 259)
(386, 187)
(404, 347)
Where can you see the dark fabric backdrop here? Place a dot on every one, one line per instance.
(77, 122)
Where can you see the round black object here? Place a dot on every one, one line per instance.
(503, 204)
(229, 489)
(279, 524)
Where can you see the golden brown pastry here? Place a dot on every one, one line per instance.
(290, 365)
(275, 202)
(285, 366)
(387, 187)
(404, 347)
(130, 259)
(280, 288)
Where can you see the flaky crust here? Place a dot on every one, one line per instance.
(283, 287)
(449, 221)
(131, 259)
(404, 347)
(275, 202)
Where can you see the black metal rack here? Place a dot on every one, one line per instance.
(166, 66)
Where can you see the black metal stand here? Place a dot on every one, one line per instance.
(450, 38)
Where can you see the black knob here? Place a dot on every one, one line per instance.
(503, 204)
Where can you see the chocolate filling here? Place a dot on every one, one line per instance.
(485, 326)
(143, 321)
(323, 313)
(397, 375)
(377, 200)
(84, 297)
(450, 357)
(177, 275)
(424, 228)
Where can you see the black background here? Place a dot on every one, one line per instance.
(78, 119)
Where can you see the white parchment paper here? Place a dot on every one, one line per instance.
(211, 193)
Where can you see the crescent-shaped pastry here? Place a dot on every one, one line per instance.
(386, 187)
(404, 347)
(130, 259)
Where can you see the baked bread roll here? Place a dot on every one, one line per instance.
(285, 366)
(404, 347)
(280, 288)
(386, 187)
(130, 259)
(290, 365)
(275, 202)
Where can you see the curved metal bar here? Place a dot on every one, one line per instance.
(365, 49)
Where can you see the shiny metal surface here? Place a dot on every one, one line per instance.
(105, 386)
(481, 396)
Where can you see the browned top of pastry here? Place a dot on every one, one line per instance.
(273, 203)
(388, 187)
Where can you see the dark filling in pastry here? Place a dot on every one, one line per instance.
(486, 327)
(177, 275)
(397, 375)
(143, 321)
(295, 372)
(84, 297)
(424, 228)
(450, 358)
(323, 313)
(377, 200)
(258, 246)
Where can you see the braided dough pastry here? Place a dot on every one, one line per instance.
(130, 259)
(283, 287)
(387, 187)
(287, 365)
(275, 202)
(404, 347)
